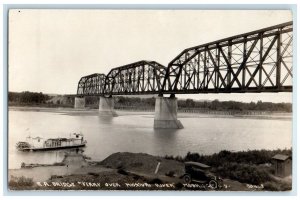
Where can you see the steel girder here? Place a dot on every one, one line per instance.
(259, 61)
(143, 77)
(91, 85)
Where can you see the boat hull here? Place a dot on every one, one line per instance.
(53, 148)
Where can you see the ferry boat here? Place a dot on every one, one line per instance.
(39, 144)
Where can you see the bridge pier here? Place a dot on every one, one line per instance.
(166, 113)
(79, 103)
(106, 106)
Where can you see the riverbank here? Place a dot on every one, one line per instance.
(139, 171)
(216, 114)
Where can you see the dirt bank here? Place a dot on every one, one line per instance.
(144, 163)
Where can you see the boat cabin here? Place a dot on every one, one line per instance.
(58, 142)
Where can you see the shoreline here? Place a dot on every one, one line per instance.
(131, 171)
(122, 112)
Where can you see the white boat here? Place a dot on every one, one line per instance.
(39, 144)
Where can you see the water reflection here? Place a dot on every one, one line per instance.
(164, 140)
(105, 119)
(165, 134)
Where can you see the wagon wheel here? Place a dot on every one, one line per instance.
(213, 184)
(187, 178)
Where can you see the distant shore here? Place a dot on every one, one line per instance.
(215, 114)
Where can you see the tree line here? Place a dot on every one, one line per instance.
(121, 101)
(206, 105)
(235, 105)
(28, 97)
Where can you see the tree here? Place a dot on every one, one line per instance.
(190, 103)
(215, 104)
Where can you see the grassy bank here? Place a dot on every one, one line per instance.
(252, 167)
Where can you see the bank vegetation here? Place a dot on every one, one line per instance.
(146, 104)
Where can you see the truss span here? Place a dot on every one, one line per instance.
(91, 85)
(258, 61)
(143, 77)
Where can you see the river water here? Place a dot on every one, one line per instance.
(133, 132)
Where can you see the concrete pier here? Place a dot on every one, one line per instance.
(79, 102)
(166, 113)
(106, 106)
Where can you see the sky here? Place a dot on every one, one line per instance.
(50, 50)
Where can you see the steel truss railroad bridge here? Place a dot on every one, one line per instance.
(258, 61)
